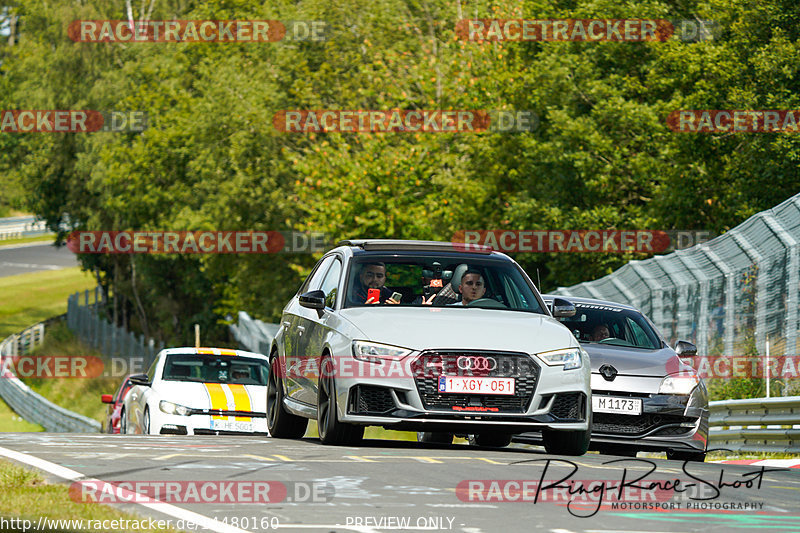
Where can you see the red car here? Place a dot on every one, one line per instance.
(115, 406)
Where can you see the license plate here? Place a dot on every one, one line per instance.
(467, 385)
(232, 425)
(611, 404)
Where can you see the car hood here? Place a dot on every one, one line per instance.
(632, 361)
(198, 395)
(444, 328)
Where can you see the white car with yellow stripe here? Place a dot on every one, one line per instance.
(199, 391)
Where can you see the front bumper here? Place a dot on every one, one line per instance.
(207, 424)
(544, 397)
(667, 422)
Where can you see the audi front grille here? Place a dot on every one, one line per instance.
(429, 365)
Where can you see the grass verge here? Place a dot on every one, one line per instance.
(10, 422)
(81, 395)
(31, 298)
(25, 494)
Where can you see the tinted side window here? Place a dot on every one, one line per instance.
(331, 284)
(314, 280)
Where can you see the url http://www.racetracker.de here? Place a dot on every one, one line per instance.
(119, 524)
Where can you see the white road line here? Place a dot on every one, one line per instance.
(165, 508)
(31, 265)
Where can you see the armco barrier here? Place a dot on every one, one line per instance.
(755, 425)
(254, 335)
(28, 404)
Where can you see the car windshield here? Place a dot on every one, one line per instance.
(215, 369)
(459, 282)
(608, 324)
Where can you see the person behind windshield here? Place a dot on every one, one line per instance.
(373, 276)
(599, 333)
(472, 287)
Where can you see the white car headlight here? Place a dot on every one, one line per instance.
(174, 408)
(682, 383)
(570, 358)
(374, 352)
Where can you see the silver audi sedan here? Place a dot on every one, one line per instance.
(428, 337)
(644, 398)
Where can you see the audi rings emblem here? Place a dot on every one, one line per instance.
(476, 363)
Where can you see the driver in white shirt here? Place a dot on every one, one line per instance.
(472, 287)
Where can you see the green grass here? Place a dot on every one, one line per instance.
(25, 494)
(10, 422)
(81, 395)
(30, 298)
(25, 240)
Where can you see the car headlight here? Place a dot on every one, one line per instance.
(570, 358)
(682, 383)
(174, 408)
(374, 352)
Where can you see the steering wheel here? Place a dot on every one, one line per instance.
(615, 340)
(489, 303)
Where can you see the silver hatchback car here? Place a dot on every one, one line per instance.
(428, 337)
(644, 398)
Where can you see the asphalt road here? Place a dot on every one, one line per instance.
(34, 257)
(392, 485)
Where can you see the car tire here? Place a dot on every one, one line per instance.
(331, 430)
(434, 437)
(567, 442)
(490, 440)
(281, 424)
(146, 421)
(680, 455)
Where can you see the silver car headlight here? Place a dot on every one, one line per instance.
(682, 383)
(374, 352)
(174, 408)
(570, 358)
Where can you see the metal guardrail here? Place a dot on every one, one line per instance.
(756, 425)
(26, 403)
(254, 335)
(18, 227)
(108, 338)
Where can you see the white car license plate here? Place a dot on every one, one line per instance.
(232, 425)
(479, 385)
(611, 404)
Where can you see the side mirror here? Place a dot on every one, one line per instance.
(563, 308)
(107, 398)
(313, 300)
(685, 349)
(140, 379)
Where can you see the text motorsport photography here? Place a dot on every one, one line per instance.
(632, 489)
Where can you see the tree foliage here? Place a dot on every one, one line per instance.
(601, 157)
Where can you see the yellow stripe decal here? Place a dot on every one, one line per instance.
(241, 400)
(218, 399)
